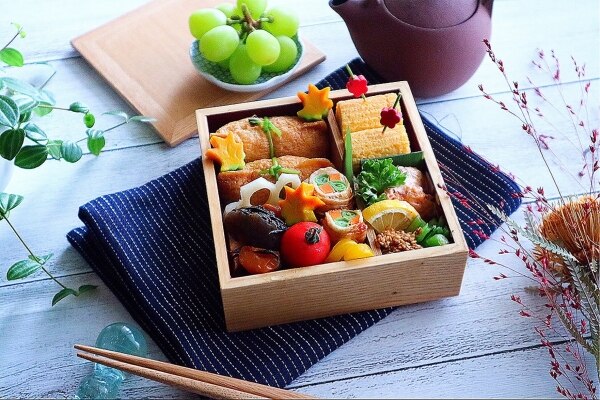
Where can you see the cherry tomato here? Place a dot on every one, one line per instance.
(305, 244)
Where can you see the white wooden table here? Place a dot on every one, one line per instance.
(473, 345)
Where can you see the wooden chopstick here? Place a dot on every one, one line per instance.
(200, 382)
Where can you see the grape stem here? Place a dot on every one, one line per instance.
(251, 23)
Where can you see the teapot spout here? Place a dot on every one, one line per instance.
(353, 9)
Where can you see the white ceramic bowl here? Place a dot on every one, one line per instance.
(220, 77)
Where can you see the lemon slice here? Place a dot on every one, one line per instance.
(390, 214)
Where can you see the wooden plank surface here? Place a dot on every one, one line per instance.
(474, 345)
(144, 55)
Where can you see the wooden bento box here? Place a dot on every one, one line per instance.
(323, 290)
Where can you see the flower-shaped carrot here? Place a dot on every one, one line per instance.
(227, 151)
(357, 84)
(299, 204)
(390, 116)
(316, 103)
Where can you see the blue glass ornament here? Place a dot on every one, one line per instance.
(105, 382)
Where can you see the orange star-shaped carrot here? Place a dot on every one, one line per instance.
(227, 151)
(299, 204)
(316, 103)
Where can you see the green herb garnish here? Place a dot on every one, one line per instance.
(269, 128)
(375, 177)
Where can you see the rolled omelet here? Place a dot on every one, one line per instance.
(372, 143)
(358, 114)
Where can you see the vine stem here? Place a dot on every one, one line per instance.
(12, 40)
(53, 107)
(105, 130)
(115, 127)
(31, 253)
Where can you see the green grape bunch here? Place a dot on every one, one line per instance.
(246, 38)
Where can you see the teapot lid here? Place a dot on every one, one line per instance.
(432, 14)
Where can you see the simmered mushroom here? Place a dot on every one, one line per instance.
(255, 226)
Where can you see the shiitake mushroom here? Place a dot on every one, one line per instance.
(255, 226)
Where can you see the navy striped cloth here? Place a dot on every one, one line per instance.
(152, 246)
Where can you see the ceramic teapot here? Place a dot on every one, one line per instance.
(435, 45)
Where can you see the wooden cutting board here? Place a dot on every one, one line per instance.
(144, 56)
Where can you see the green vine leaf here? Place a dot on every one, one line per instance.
(23, 87)
(70, 151)
(119, 114)
(9, 112)
(142, 118)
(25, 103)
(86, 288)
(95, 141)
(8, 202)
(22, 269)
(53, 147)
(41, 259)
(62, 294)
(19, 29)
(79, 108)
(12, 57)
(31, 157)
(35, 133)
(11, 142)
(44, 108)
(89, 120)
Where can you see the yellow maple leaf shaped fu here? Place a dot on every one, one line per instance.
(299, 204)
(227, 151)
(316, 103)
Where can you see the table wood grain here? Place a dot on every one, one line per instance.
(473, 345)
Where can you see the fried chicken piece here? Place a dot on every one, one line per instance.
(414, 192)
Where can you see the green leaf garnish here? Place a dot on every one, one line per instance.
(375, 177)
(348, 171)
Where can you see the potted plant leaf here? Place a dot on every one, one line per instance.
(25, 143)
